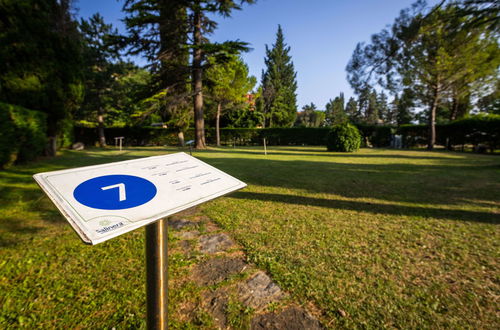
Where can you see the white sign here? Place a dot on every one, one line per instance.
(104, 201)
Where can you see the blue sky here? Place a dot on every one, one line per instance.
(321, 33)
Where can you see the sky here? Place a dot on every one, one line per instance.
(322, 35)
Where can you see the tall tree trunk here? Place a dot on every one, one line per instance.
(199, 123)
(217, 124)
(454, 107)
(51, 150)
(100, 127)
(180, 136)
(432, 119)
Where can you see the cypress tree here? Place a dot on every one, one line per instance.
(279, 84)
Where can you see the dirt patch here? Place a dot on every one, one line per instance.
(188, 234)
(216, 303)
(216, 270)
(293, 318)
(215, 243)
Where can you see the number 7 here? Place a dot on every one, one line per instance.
(121, 190)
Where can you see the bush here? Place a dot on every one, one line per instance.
(22, 135)
(343, 138)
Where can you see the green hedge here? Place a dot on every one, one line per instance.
(22, 135)
(474, 130)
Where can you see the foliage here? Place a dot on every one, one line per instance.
(23, 134)
(310, 117)
(40, 60)
(343, 138)
(335, 112)
(279, 84)
(436, 54)
(351, 110)
(473, 130)
(99, 52)
(161, 30)
(228, 87)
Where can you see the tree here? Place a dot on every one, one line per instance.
(279, 84)
(383, 107)
(335, 112)
(100, 50)
(372, 111)
(158, 29)
(229, 84)
(166, 30)
(405, 106)
(309, 117)
(436, 54)
(392, 111)
(41, 61)
(351, 110)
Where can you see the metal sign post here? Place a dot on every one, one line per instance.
(190, 144)
(104, 201)
(156, 275)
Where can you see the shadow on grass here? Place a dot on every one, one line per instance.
(374, 208)
(444, 183)
(13, 230)
(287, 151)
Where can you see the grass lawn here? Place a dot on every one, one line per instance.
(378, 238)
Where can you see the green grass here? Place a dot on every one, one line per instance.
(405, 239)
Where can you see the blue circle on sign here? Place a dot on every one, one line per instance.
(115, 192)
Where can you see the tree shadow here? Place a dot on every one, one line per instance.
(13, 231)
(399, 182)
(288, 151)
(374, 208)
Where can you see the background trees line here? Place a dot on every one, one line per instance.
(442, 60)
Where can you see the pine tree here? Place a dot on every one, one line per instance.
(351, 110)
(335, 111)
(383, 107)
(99, 51)
(372, 111)
(392, 111)
(440, 55)
(174, 26)
(229, 84)
(405, 106)
(279, 84)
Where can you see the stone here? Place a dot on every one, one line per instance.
(292, 318)
(215, 243)
(188, 234)
(216, 270)
(78, 146)
(180, 223)
(259, 290)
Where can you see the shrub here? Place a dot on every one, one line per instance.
(343, 138)
(22, 135)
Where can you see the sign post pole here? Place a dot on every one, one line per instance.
(156, 275)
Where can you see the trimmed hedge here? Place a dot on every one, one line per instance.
(22, 135)
(473, 130)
